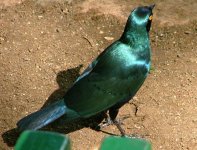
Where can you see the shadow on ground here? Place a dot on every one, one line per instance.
(64, 79)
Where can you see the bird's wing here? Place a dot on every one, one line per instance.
(94, 94)
(91, 66)
(87, 71)
(105, 85)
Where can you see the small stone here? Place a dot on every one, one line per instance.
(194, 120)
(161, 35)
(187, 32)
(65, 11)
(109, 38)
(30, 50)
(135, 98)
(2, 39)
(101, 32)
(40, 17)
(178, 56)
(26, 59)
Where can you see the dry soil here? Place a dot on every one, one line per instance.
(46, 44)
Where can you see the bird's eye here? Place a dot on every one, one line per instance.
(151, 17)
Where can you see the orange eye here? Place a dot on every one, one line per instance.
(151, 17)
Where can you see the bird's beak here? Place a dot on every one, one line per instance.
(151, 6)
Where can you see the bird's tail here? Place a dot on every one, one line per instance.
(42, 117)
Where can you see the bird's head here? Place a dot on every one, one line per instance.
(141, 17)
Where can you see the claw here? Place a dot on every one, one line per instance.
(105, 123)
(116, 122)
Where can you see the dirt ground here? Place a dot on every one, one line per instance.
(45, 44)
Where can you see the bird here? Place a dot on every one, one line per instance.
(109, 82)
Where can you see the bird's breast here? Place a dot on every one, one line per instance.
(142, 66)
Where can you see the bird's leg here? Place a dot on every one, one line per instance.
(113, 114)
(117, 124)
(111, 120)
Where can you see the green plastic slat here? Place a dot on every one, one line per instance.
(42, 140)
(124, 143)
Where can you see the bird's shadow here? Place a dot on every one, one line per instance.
(65, 79)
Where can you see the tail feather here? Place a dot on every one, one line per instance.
(42, 117)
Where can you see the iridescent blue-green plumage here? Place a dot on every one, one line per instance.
(110, 81)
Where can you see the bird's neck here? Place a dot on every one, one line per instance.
(138, 40)
(135, 37)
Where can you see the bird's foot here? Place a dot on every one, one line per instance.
(108, 121)
(116, 122)
(104, 124)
